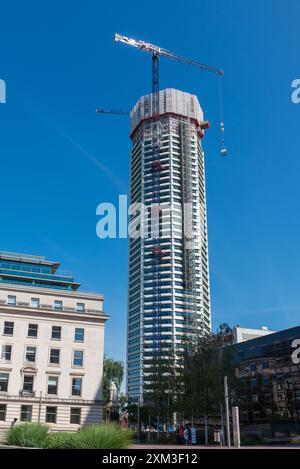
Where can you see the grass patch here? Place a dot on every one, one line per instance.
(28, 435)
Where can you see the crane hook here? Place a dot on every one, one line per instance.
(223, 150)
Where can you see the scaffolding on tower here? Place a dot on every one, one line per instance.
(156, 168)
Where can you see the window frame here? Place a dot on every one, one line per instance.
(4, 359)
(54, 377)
(11, 300)
(83, 332)
(28, 375)
(60, 307)
(22, 412)
(35, 354)
(80, 307)
(13, 328)
(60, 331)
(47, 413)
(73, 358)
(7, 382)
(3, 412)
(35, 303)
(72, 387)
(37, 330)
(72, 415)
(59, 356)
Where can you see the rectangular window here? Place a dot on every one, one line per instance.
(32, 330)
(56, 333)
(30, 355)
(51, 413)
(78, 358)
(80, 307)
(76, 386)
(265, 365)
(8, 328)
(58, 305)
(52, 384)
(2, 412)
(79, 334)
(35, 302)
(75, 415)
(54, 356)
(26, 413)
(6, 353)
(28, 384)
(11, 300)
(4, 382)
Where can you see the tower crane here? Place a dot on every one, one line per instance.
(156, 52)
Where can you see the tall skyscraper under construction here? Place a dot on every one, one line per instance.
(169, 274)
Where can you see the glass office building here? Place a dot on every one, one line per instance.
(268, 369)
(34, 271)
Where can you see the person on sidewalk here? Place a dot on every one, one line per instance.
(181, 435)
(13, 423)
(186, 436)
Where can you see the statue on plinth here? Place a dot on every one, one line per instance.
(113, 404)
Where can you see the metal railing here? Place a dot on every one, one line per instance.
(67, 309)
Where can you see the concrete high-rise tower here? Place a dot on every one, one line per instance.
(168, 275)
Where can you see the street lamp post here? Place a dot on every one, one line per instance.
(227, 410)
(40, 407)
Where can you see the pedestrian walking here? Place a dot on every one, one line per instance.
(13, 423)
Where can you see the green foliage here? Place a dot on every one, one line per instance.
(205, 362)
(160, 387)
(105, 436)
(61, 440)
(28, 435)
(112, 370)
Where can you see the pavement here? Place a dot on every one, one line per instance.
(198, 447)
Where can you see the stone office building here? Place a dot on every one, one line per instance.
(51, 345)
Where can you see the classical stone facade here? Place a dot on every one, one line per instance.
(51, 344)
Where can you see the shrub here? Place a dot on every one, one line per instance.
(61, 440)
(105, 436)
(29, 435)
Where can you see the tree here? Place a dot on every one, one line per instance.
(159, 387)
(112, 370)
(206, 359)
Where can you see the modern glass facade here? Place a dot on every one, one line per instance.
(35, 271)
(168, 284)
(268, 369)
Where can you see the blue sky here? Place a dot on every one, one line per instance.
(59, 159)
